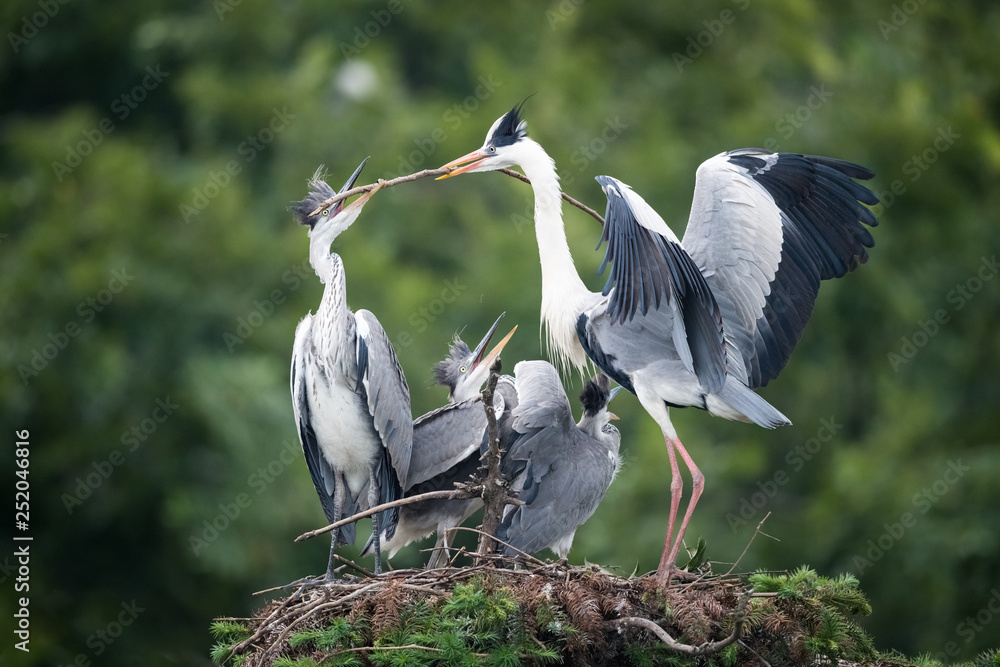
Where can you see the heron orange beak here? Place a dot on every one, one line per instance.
(495, 352)
(612, 415)
(475, 158)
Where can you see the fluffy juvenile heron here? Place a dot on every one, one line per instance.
(350, 398)
(447, 443)
(704, 321)
(561, 469)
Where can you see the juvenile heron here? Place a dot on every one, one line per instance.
(705, 321)
(562, 469)
(350, 398)
(447, 443)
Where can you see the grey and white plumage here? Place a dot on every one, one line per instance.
(349, 395)
(447, 444)
(561, 469)
(703, 321)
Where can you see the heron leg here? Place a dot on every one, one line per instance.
(338, 511)
(376, 528)
(697, 486)
(676, 492)
(439, 557)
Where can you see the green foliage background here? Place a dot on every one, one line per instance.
(909, 89)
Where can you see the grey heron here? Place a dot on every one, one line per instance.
(561, 469)
(350, 399)
(704, 321)
(447, 443)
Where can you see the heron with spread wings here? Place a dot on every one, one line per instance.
(704, 321)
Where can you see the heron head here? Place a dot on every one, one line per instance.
(336, 217)
(500, 150)
(595, 397)
(464, 370)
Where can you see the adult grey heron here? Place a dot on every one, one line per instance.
(703, 321)
(350, 398)
(447, 443)
(561, 469)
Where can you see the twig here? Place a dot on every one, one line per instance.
(739, 615)
(351, 564)
(583, 207)
(371, 186)
(457, 494)
(494, 484)
(752, 538)
(340, 196)
(499, 541)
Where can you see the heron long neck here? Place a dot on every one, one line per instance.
(563, 293)
(331, 321)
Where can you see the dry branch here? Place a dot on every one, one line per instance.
(340, 196)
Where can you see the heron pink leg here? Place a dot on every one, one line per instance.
(676, 492)
(697, 486)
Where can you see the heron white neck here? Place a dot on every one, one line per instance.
(563, 293)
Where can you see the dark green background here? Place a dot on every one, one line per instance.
(643, 91)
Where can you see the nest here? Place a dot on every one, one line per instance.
(572, 614)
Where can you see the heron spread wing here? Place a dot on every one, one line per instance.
(323, 476)
(766, 228)
(386, 390)
(650, 271)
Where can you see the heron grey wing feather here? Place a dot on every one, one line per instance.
(322, 474)
(387, 392)
(766, 228)
(651, 271)
(444, 437)
(568, 493)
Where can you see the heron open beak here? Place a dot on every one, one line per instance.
(475, 158)
(339, 206)
(487, 361)
(358, 203)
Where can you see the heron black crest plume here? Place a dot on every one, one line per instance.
(510, 129)
(595, 394)
(319, 192)
(443, 370)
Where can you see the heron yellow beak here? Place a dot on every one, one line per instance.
(475, 158)
(612, 415)
(365, 196)
(495, 352)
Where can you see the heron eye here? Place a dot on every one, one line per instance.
(492, 149)
(326, 212)
(462, 369)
